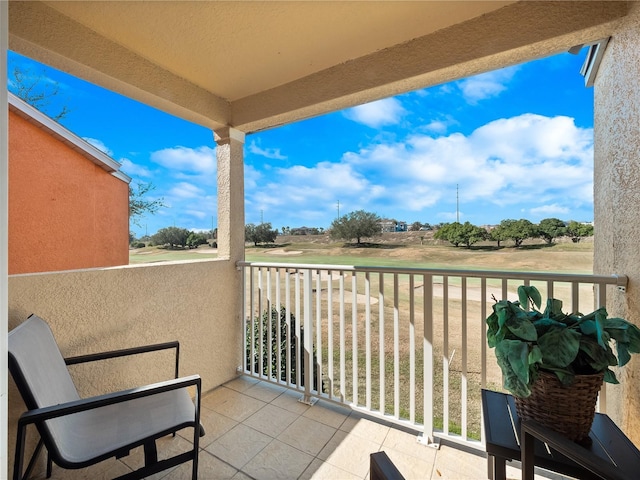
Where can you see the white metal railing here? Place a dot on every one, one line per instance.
(407, 344)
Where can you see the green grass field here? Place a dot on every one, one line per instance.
(563, 257)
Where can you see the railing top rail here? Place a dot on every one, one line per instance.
(617, 280)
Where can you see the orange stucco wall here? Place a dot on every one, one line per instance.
(65, 212)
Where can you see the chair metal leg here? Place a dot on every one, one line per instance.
(34, 458)
(19, 456)
(150, 453)
(49, 465)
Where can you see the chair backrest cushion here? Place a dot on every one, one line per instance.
(37, 365)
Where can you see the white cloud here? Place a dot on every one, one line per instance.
(99, 145)
(133, 169)
(184, 190)
(388, 111)
(272, 153)
(553, 210)
(436, 126)
(201, 160)
(486, 85)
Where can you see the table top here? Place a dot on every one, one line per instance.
(502, 435)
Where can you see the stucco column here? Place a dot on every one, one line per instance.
(617, 197)
(4, 230)
(230, 157)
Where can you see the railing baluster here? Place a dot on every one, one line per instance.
(354, 334)
(287, 300)
(396, 347)
(483, 332)
(330, 333)
(278, 327)
(308, 336)
(260, 326)
(298, 346)
(367, 346)
(343, 366)
(464, 358)
(381, 335)
(269, 311)
(319, 363)
(412, 352)
(427, 289)
(445, 354)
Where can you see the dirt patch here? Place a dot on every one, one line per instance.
(282, 251)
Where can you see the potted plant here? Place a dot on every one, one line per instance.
(554, 363)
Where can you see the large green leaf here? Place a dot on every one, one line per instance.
(522, 328)
(599, 359)
(526, 293)
(544, 324)
(623, 354)
(610, 377)
(512, 356)
(588, 327)
(492, 329)
(554, 308)
(535, 355)
(601, 318)
(501, 310)
(634, 338)
(559, 346)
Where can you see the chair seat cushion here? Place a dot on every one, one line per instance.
(103, 431)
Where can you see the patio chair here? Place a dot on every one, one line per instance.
(81, 432)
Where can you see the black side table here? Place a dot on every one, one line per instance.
(502, 438)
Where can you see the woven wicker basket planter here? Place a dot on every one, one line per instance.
(567, 410)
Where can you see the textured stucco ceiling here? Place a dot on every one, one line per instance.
(254, 65)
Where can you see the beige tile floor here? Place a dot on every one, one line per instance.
(255, 430)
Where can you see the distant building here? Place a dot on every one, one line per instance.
(389, 225)
(68, 201)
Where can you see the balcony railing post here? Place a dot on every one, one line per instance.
(308, 339)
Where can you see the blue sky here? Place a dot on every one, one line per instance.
(516, 143)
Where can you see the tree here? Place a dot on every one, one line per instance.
(138, 205)
(498, 234)
(577, 230)
(260, 233)
(172, 236)
(415, 226)
(37, 90)
(449, 232)
(551, 228)
(518, 230)
(358, 225)
(195, 239)
(458, 233)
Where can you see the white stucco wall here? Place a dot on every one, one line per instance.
(95, 310)
(617, 196)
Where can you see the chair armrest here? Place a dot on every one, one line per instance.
(54, 411)
(93, 357)
(531, 429)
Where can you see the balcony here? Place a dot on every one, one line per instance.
(411, 341)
